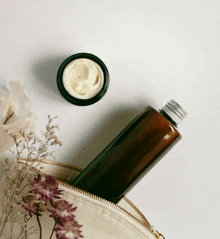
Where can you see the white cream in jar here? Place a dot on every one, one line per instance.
(83, 78)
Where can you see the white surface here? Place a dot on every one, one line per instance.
(155, 51)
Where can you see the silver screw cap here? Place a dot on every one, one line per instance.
(175, 111)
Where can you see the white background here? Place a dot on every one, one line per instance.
(155, 51)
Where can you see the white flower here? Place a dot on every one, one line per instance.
(17, 123)
(15, 107)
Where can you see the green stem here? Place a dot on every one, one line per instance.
(25, 227)
(39, 222)
(53, 230)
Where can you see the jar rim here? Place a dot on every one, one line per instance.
(78, 101)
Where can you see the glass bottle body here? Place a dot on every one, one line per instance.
(129, 156)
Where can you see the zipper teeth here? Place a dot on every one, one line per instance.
(89, 194)
(65, 165)
(136, 209)
(109, 203)
(79, 170)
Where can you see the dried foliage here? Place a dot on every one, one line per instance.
(25, 193)
(19, 177)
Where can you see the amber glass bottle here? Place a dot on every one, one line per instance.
(132, 153)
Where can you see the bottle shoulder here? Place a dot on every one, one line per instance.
(160, 118)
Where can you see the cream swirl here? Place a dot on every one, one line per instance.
(83, 78)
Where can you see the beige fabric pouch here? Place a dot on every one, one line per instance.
(100, 219)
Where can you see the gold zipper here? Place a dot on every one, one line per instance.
(153, 232)
(136, 209)
(65, 165)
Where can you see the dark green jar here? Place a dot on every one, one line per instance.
(73, 84)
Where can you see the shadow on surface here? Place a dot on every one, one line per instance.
(45, 70)
(110, 127)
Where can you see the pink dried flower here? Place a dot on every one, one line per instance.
(68, 229)
(62, 209)
(46, 188)
(31, 207)
(39, 181)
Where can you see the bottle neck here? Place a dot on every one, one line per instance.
(165, 115)
(173, 112)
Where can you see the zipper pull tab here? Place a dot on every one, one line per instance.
(156, 233)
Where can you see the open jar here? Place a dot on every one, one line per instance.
(83, 79)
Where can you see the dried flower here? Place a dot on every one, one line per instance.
(30, 206)
(56, 142)
(17, 129)
(46, 188)
(6, 141)
(62, 209)
(68, 229)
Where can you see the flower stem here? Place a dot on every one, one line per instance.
(39, 222)
(53, 230)
(26, 219)
(6, 220)
(8, 117)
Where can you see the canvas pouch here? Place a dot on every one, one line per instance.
(95, 217)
